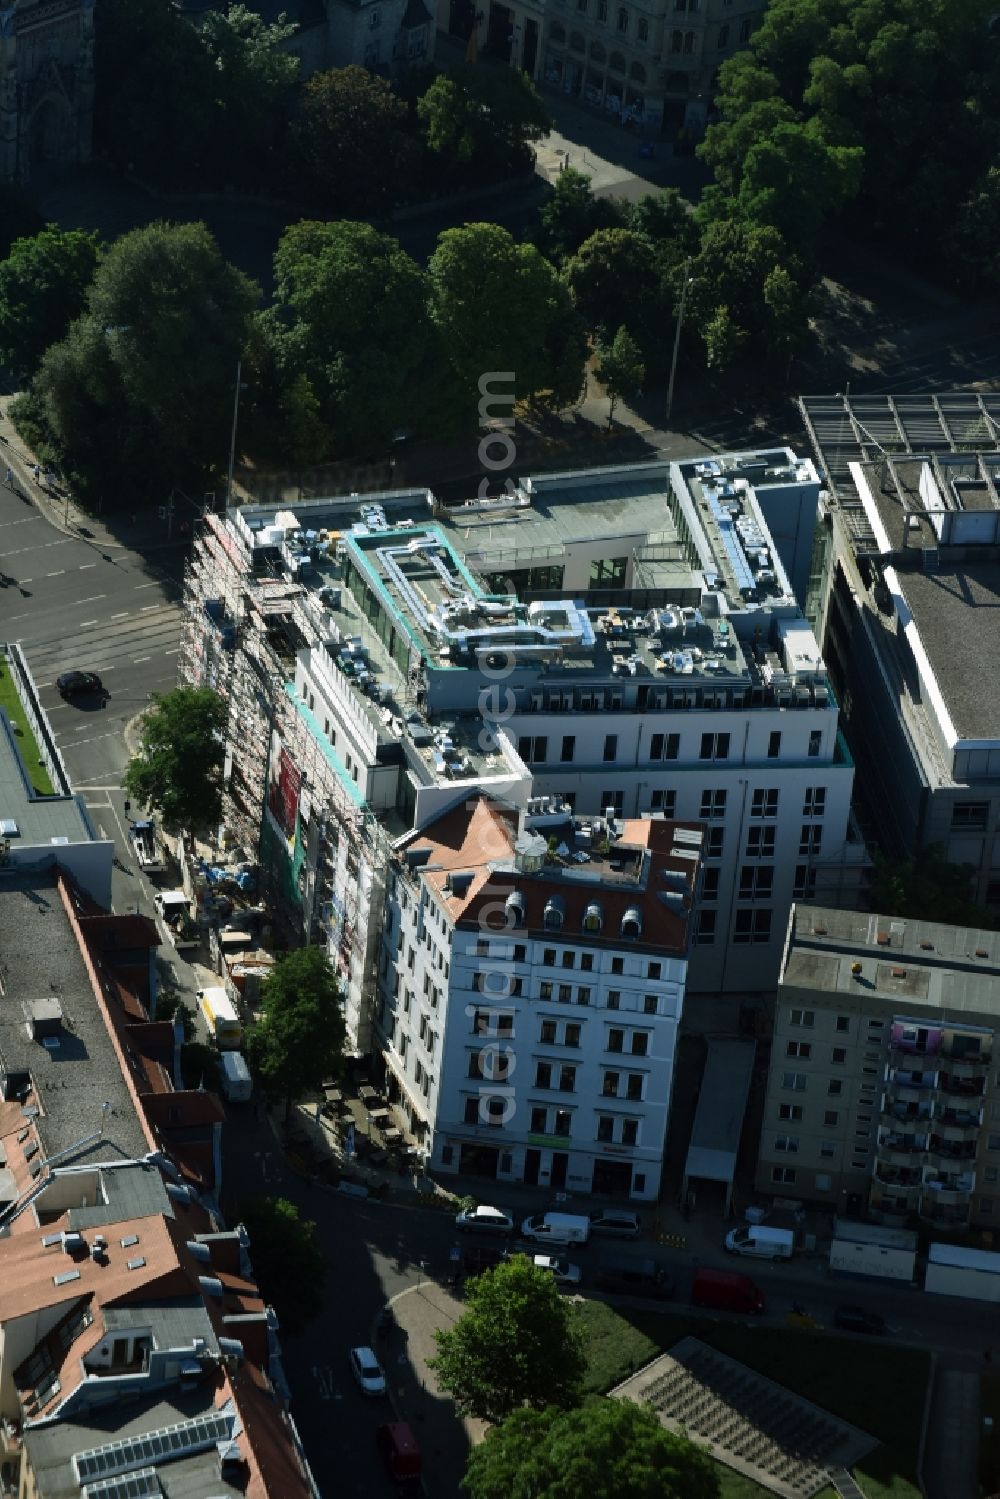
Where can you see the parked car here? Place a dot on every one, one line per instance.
(615, 1223)
(367, 1371)
(563, 1272)
(726, 1290)
(556, 1228)
(480, 1257)
(625, 1277)
(856, 1319)
(401, 1455)
(79, 683)
(484, 1220)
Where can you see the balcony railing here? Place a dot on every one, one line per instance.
(904, 1146)
(967, 1121)
(962, 1087)
(897, 1176)
(945, 1214)
(901, 1081)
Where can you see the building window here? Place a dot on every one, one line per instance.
(640, 1043)
(609, 1088)
(613, 802)
(642, 29)
(616, 1040)
(843, 1022)
(815, 743)
(545, 990)
(805, 1018)
(970, 815)
(794, 1082)
(789, 1111)
(784, 1175)
(764, 802)
(571, 1035)
(704, 933)
(548, 957)
(774, 739)
(673, 747)
(804, 882)
(610, 572)
(568, 747)
(663, 801)
(630, 1131)
(567, 1080)
(471, 1115)
(787, 1143)
(649, 1004)
(614, 998)
(745, 26)
(715, 843)
(713, 804)
(633, 1087)
(602, 10)
(605, 1128)
(533, 751)
(835, 1087)
(610, 746)
(752, 926)
(539, 1122)
(543, 1074)
(801, 1049)
(710, 882)
(583, 996)
(830, 1117)
(547, 1035)
(756, 881)
(839, 1055)
(623, 20)
(723, 41)
(617, 965)
(586, 962)
(654, 970)
(569, 959)
(563, 1122)
(814, 801)
(986, 1207)
(811, 838)
(714, 747)
(565, 994)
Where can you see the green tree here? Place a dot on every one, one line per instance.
(199, 1066)
(171, 1006)
(501, 306)
(253, 75)
(608, 1449)
(723, 338)
(571, 214)
(289, 1263)
(351, 141)
(43, 282)
(483, 115)
(300, 1039)
(926, 887)
(615, 281)
(620, 369)
(735, 264)
(178, 768)
(795, 182)
(19, 218)
(665, 219)
(351, 319)
(138, 395)
(516, 1344)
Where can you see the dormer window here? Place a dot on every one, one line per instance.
(555, 911)
(593, 918)
(514, 908)
(632, 922)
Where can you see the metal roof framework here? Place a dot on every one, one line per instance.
(845, 429)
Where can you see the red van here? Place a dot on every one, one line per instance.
(727, 1291)
(401, 1455)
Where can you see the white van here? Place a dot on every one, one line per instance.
(556, 1228)
(760, 1242)
(237, 1084)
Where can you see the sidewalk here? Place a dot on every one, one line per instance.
(445, 1438)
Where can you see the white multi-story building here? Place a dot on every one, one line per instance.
(622, 639)
(530, 991)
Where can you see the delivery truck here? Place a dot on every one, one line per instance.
(219, 1014)
(761, 1242)
(237, 1084)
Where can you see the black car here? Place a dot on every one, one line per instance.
(856, 1319)
(626, 1277)
(78, 683)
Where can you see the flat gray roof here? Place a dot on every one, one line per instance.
(127, 1193)
(718, 1119)
(173, 1324)
(39, 819)
(52, 1447)
(41, 959)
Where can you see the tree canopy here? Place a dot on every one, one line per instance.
(289, 1264)
(501, 306)
(927, 887)
(605, 1450)
(620, 369)
(516, 1344)
(351, 141)
(299, 1042)
(570, 215)
(43, 282)
(137, 397)
(892, 103)
(178, 768)
(483, 115)
(351, 317)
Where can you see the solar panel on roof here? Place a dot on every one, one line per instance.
(168, 1441)
(139, 1485)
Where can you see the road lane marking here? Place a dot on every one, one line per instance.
(59, 574)
(93, 597)
(147, 585)
(85, 565)
(137, 659)
(85, 624)
(175, 652)
(122, 615)
(146, 608)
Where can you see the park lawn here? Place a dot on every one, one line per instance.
(26, 743)
(875, 1386)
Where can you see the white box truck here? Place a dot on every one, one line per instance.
(953, 1271)
(219, 1014)
(873, 1250)
(556, 1228)
(237, 1084)
(760, 1242)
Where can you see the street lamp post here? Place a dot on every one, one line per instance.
(677, 336)
(232, 439)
